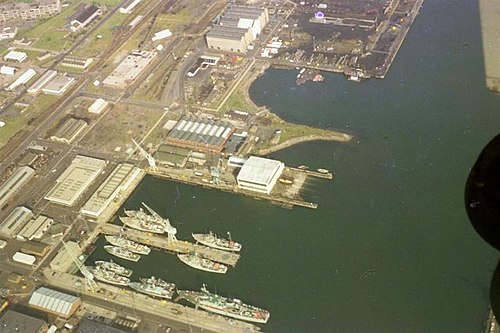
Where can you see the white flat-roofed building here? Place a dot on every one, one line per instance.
(24, 258)
(54, 302)
(35, 228)
(58, 85)
(41, 82)
(129, 69)
(129, 6)
(15, 56)
(98, 106)
(162, 34)
(63, 260)
(15, 182)
(7, 70)
(24, 78)
(75, 180)
(16, 220)
(259, 174)
(119, 180)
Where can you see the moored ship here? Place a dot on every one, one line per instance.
(114, 267)
(211, 240)
(158, 282)
(122, 253)
(152, 289)
(141, 225)
(110, 277)
(195, 260)
(128, 244)
(229, 307)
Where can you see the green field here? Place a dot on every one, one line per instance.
(12, 125)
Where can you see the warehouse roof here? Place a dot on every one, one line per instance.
(13, 321)
(53, 301)
(258, 170)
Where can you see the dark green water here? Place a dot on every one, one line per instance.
(390, 248)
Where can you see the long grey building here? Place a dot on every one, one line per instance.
(237, 29)
(17, 180)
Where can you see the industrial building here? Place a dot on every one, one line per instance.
(63, 260)
(16, 56)
(24, 78)
(129, 6)
(172, 156)
(15, 221)
(41, 82)
(54, 302)
(69, 130)
(98, 106)
(200, 133)
(7, 70)
(16, 322)
(29, 11)
(75, 180)
(77, 62)
(7, 31)
(35, 228)
(15, 182)
(119, 180)
(35, 248)
(237, 29)
(58, 85)
(83, 17)
(259, 174)
(129, 69)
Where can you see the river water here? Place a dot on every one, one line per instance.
(390, 248)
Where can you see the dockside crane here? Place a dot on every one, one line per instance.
(90, 284)
(148, 156)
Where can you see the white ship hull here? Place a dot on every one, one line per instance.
(113, 251)
(222, 269)
(201, 239)
(134, 224)
(125, 243)
(222, 312)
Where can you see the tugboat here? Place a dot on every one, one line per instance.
(122, 253)
(230, 307)
(195, 260)
(114, 267)
(211, 240)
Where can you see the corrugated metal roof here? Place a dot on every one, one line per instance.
(53, 301)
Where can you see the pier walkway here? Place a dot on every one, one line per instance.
(115, 297)
(161, 242)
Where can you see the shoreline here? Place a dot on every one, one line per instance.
(258, 70)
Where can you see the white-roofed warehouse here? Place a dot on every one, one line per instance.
(259, 174)
(54, 302)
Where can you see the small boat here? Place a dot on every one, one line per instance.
(318, 78)
(195, 260)
(211, 240)
(122, 253)
(285, 181)
(354, 78)
(303, 167)
(325, 171)
(114, 267)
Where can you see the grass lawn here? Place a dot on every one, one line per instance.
(12, 125)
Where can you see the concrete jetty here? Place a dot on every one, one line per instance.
(161, 242)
